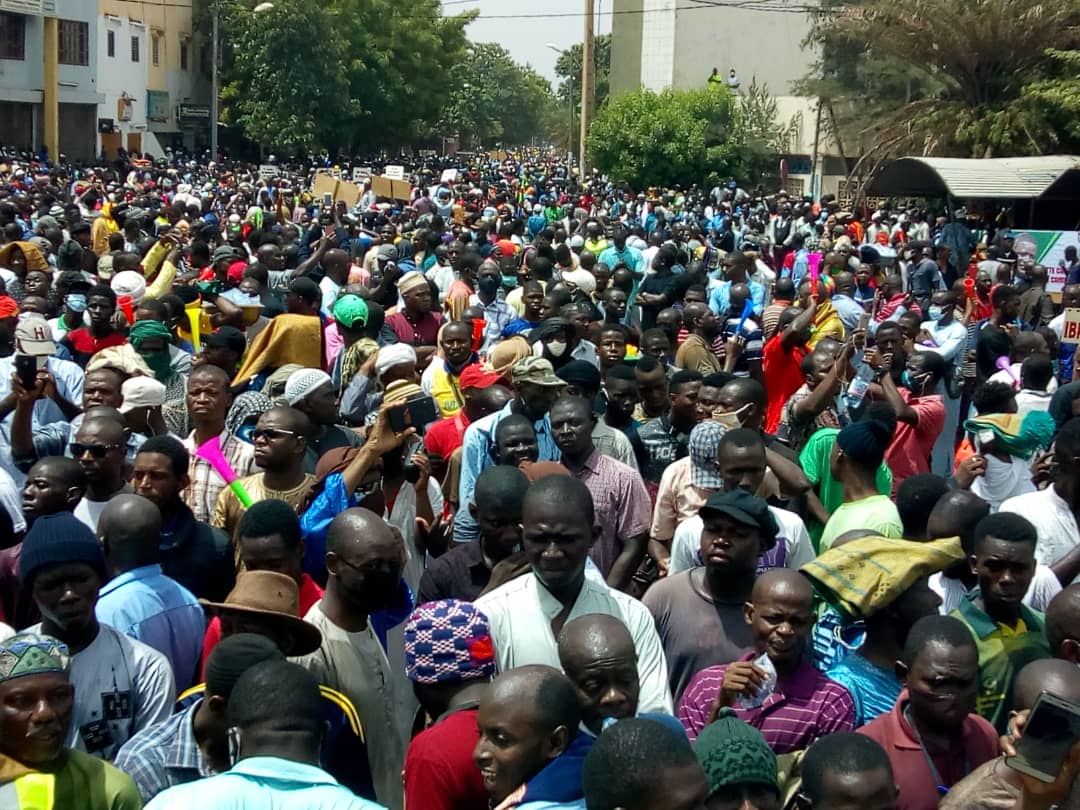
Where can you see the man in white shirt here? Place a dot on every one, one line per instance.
(1052, 511)
(528, 613)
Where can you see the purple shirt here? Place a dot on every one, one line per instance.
(803, 707)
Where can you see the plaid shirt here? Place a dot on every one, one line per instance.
(622, 505)
(201, 494)
(163, 755)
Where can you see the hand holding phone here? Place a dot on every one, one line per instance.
(1051, 731)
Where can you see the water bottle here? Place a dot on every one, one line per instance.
(860, 384)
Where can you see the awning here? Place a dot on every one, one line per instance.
(993, 178)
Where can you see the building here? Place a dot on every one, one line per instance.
(658, 44)
(128, 74)
(661, 44)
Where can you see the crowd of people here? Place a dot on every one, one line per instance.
(529, 491)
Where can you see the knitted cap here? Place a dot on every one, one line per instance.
(304, 382)
(734, 753)
(31, 654)
(448, 641)
(865, 441)
(55, 540)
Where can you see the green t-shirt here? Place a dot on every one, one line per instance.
(876, 514)
(84, 783)
(814, 459)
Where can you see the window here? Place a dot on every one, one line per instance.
(110, 43)
(74, 43)
(134, 49)
(12, 36)
(155, 49)
(183, 56)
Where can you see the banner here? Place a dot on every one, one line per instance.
(1048, 249)
(1070, 330)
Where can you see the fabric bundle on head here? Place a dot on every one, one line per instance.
(704, 447)
(733, 753)
(448, 641)
(286, 339)
(32, 654)
(129, 283)
(1020, 436)
(9, 308)
(507, 352)
(34, 258)
(582, 279)
(55, 540)
(351, 310)
(863, 576)
(396, 354)
(120, 358)
(865, 441)
(304, 382)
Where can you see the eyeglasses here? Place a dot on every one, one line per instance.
(95, 450)
(272, 433)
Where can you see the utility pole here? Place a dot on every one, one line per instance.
(51, 93)
(588, 74)
(214, 84)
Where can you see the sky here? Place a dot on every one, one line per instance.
(526, 38)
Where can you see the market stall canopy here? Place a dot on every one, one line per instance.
(1022, 178)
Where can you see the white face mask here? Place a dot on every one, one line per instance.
(732, 419)
(556, 348)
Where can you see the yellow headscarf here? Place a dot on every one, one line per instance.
(286, 339)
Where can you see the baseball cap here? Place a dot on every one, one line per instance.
(223, 252)
(535, 370)
(704, 444)
(141, 392)
(34, 337)
(350, 310)
(750, 510)
(475, 375)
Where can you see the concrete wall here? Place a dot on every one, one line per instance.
(625, 46)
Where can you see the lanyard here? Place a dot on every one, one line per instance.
(942, 789)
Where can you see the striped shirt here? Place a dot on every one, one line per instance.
(803, 707)
(874, 689)
(621, 502)
(164, 754)
(201, 494)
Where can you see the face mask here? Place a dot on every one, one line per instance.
(556, 348)
(732, 419)
(509, 280)
(936, 312)
(76, 302)
(159, 363)
(378, 589)
(488, 285)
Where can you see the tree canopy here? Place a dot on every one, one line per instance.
(568, 69)
(967, 78)
(645, 138)
(350, 74)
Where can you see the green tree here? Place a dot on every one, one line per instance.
(948, 77)
(645, 138)
(568, 69)
(280, 91)
(495, 99)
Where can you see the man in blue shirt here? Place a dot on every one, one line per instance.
(620, 252)
(275, 735)
(737, 270)
(535, 390)
(140, 601)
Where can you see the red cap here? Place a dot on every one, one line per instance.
(476, 376)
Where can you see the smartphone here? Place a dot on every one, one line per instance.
(418, 411)
(27, 367)
(327, 199)
(1052, 729)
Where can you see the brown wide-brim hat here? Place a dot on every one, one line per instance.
(268, 593)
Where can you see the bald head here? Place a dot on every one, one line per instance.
(1063, 624)
(955, 515)
(782, 583)
(130, 531)
(358, 528)
(1059, 678)
(593, 637)
(546, 692)
(104, 412)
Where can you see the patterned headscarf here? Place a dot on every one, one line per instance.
(250, 403)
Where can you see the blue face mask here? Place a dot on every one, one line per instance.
(935, 312)
(509, 280)
(76, 302)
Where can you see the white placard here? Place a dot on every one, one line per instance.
(268, 170)
(1070, 330)
(394, 172)
(448, 176)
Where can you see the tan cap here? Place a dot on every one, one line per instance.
(535, 370)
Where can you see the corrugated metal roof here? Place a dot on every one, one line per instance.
(992, 178)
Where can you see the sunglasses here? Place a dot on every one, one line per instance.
(271, 433)
(95, 450)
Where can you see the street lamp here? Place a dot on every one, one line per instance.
(570, 108)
